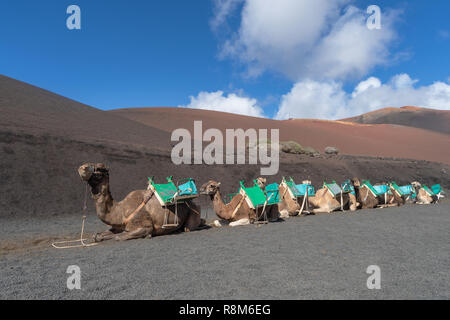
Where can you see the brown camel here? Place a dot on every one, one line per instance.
(140, 214)
(422, 197)
(365, 198)
(274, 211)
(290, 205)
(235, 213)
(394, 198)
(324, 202)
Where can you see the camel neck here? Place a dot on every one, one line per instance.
(104, 204)
(219, 206)
(357, 193)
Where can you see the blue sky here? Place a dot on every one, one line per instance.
(161, 53)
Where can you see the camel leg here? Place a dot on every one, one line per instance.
(193, 222)
(220, 224)
(322, 210)
(273, 215)
(241, 222)
(327, 209)
(105, 235)
(284, 214)
(135, 234)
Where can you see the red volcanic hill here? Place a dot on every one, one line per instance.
(385, 140)
(429, 119)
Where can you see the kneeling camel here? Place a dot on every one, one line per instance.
(139, 215)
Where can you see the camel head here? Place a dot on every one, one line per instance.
(355, 182)
(93, 173)
(210, 188)
(416, 184)
(261, 182)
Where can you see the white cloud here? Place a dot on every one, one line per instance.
(312, 99)
(403, 81)
(231, 103)
(372, 82)
(306, 39)
(222, 9)
(327, 100)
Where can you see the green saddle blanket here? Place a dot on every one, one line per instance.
(428, 190)
(169, 193)
(334, 188)
(297, 190)
(401, 191)
(348, 187)
(375, 191)
(437, 189)
(254, 196)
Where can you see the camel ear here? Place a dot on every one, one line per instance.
(219, 184)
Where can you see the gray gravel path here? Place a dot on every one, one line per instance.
(315, 257)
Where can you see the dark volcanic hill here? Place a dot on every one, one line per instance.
(429, 119)
(29, 109)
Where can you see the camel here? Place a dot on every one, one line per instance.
(235, 213)
(394, 198)
(365, 198)
(275, 209)
(324, 202)
(289, 207)
(390, 199)
(139, 215)
(368, 200)
(422, 197)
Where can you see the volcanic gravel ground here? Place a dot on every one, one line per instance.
(313, 257)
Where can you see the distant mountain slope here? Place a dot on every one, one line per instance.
(33, 110)
(384, 140)
(429, 119)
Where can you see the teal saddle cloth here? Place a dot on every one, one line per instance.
(188, 188)
(272, 193)
(381, 189)
(302, 189)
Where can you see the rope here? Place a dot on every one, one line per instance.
(264, 209)
(143, 203)
(304, 200)
(367, 194)
(166, 214)
(82, 244)
(195, 211)
(238, 206)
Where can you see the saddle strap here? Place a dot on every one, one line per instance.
(144, 202)
(238, 206)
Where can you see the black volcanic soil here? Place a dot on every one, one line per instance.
(312, 257)
(39, 177)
